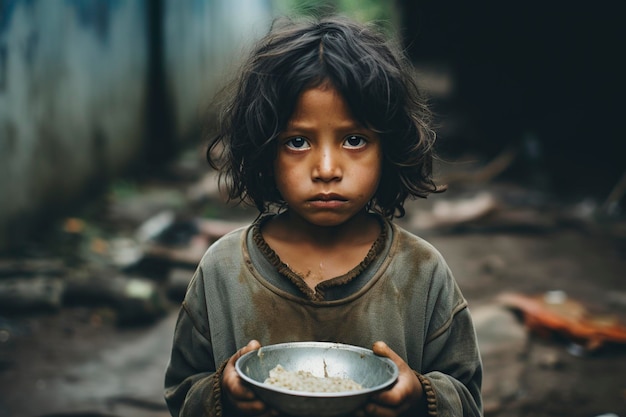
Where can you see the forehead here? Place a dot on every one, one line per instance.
(321, 105)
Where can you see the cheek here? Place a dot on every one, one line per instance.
(367, 179)
(374, 170)
(376, 175)
(285, 182)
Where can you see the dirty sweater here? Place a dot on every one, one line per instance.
(403, 294)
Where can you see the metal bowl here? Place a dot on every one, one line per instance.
(374, 373)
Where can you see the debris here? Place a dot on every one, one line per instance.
(584, 211)
(9, 331)
(492, 264)
(185, 241)
(31, 267)
(134, 299)
(189, 255)
(166, 237)
(215, 229)
(139, 301)
(153, 227)
(486, 173)
(612, 202)
(206, 188)
(134, 207)
(180, 241)
(177, 282)
(73, 225)
(553, 313)
(453, 213)
(550, 360)
(125, 252)
(617, 299)
(179, 233)
(521, 219)
(502, 342)
(99, 246)
(576, 349)
(26, 293)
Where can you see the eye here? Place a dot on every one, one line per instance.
(354, 142)
(297, 143)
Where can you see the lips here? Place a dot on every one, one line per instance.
(329, 197)
(328, 201)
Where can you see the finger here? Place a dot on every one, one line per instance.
(382, 349)
(377, 410)
(253, 408)
(230, 366)
(239, 391)
(251, 346)
(397, 393)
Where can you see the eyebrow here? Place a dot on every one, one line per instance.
(305, 127)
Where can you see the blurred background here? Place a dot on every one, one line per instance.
(92, 89)
(106, 202)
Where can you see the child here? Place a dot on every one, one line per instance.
(327, 136)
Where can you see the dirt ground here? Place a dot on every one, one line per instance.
(557, 379)
(530, 246)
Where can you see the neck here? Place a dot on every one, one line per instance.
(358, 229)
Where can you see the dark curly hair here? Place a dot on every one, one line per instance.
(360, 63)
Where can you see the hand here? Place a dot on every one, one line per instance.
(404, 396)
(236, 395)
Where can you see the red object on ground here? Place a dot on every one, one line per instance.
(554, 313)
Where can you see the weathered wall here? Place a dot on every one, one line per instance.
(202, 42)
(71, 100)
(90, 87)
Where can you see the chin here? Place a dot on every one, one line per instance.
(328, 220)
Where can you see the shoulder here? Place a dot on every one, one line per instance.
(408, 244)
(417, 261)
(227, 247)
(424, 266)
(220, 260)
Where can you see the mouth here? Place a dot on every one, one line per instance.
(329, 197)
(328, 201)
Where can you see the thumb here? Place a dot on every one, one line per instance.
(251, 346)
(382, 349)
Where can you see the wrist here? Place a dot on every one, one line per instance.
(428, 401)
(221, 407)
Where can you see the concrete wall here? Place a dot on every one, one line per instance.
(90, 87)
(203, 39)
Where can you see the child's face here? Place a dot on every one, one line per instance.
(328, 166)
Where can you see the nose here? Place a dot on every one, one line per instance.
(327, 166)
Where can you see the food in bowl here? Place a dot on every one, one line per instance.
(306, 381)
(321, 359)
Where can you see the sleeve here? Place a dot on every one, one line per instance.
(192, 381)
(452, 367)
